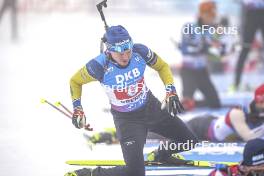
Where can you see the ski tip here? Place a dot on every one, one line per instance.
(69, 162)
(57, 103)
(42, 100)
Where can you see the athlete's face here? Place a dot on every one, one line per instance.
(122, 58)
(207, 12)
(208, 18)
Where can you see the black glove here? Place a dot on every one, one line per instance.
(172, 102)
(78, 118)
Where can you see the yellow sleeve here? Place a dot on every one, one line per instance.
(164, 71)
(77, 80)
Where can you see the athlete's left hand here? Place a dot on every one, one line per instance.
(172, 102)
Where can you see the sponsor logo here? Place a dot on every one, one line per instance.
(120, 79)
(123, 42)
(137, 58)
(129, 143)
(132, 90)
(110, 69)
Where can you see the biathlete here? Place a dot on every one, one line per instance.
(120, 70)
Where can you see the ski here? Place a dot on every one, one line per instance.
(192, 163)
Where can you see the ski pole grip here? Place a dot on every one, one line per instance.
(99, 6)
(100, 9)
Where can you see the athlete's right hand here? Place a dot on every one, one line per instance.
(78, 118)
(171, 101)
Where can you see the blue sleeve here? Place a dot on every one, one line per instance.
(147, 54)
(95, 68)
(192, 43)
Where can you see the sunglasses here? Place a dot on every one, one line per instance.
(120, 48)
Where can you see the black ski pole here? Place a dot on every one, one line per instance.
(100, 10)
